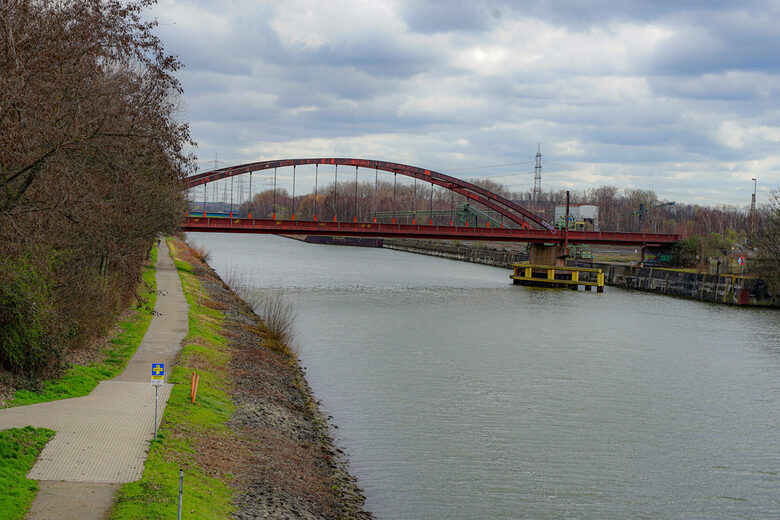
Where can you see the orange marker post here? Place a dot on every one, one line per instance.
(195, 388)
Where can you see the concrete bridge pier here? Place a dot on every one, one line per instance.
(547, 254)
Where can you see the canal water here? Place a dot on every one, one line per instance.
(457, 395)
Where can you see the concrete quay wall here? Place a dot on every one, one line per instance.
(464, 253)
(728, 289)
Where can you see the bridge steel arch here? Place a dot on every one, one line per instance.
(503, 206)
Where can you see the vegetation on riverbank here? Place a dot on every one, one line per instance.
(19, 448)
(92, 160)
(254, 444)
(692, 252)
(766, 238)
(110, 358)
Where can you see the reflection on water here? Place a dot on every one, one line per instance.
(459, 395)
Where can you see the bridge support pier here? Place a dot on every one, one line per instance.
(547, 254)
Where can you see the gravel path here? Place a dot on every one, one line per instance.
(103, 439)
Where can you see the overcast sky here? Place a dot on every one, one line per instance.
(676, 96)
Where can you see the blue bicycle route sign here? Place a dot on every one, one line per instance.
(158, 373)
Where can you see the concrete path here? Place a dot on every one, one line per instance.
(169, 326)
(102, 439)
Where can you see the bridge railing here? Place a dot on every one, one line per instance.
(303, 227)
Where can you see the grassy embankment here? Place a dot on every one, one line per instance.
(19, 448)
(189, 431)
(79, 380)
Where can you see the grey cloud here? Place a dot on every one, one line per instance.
(449, 15)
(385, 58)
(210, 49)
(380, 55)
(703, 49)
(579, 15)
(322, 84)
(724, 87)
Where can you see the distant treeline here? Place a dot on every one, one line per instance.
(91, 164)
(618, 210)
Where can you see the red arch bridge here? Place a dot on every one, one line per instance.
(517, 223)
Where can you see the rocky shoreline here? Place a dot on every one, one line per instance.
(291, 468)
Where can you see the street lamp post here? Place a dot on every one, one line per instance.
(753, 206)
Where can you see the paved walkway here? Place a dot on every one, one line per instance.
(102, 439)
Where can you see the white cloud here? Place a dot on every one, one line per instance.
(532, 46)
(441, 106)
(190, 18)
(731, 135)
(339, 23)
(567, 149)
(740, 136)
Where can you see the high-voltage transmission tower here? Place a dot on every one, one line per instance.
(537, 194)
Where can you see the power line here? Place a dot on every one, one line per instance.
(519, 184)
(565, 166)
(507, 175)
(485, 167)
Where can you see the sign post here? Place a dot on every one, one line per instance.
(158, 378)
(181, 489)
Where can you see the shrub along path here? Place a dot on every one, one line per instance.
(103, 439)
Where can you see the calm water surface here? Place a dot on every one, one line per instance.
(458, 395)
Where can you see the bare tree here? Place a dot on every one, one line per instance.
(91, 163)
(766, 238)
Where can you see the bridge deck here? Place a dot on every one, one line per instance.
(368, 229)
